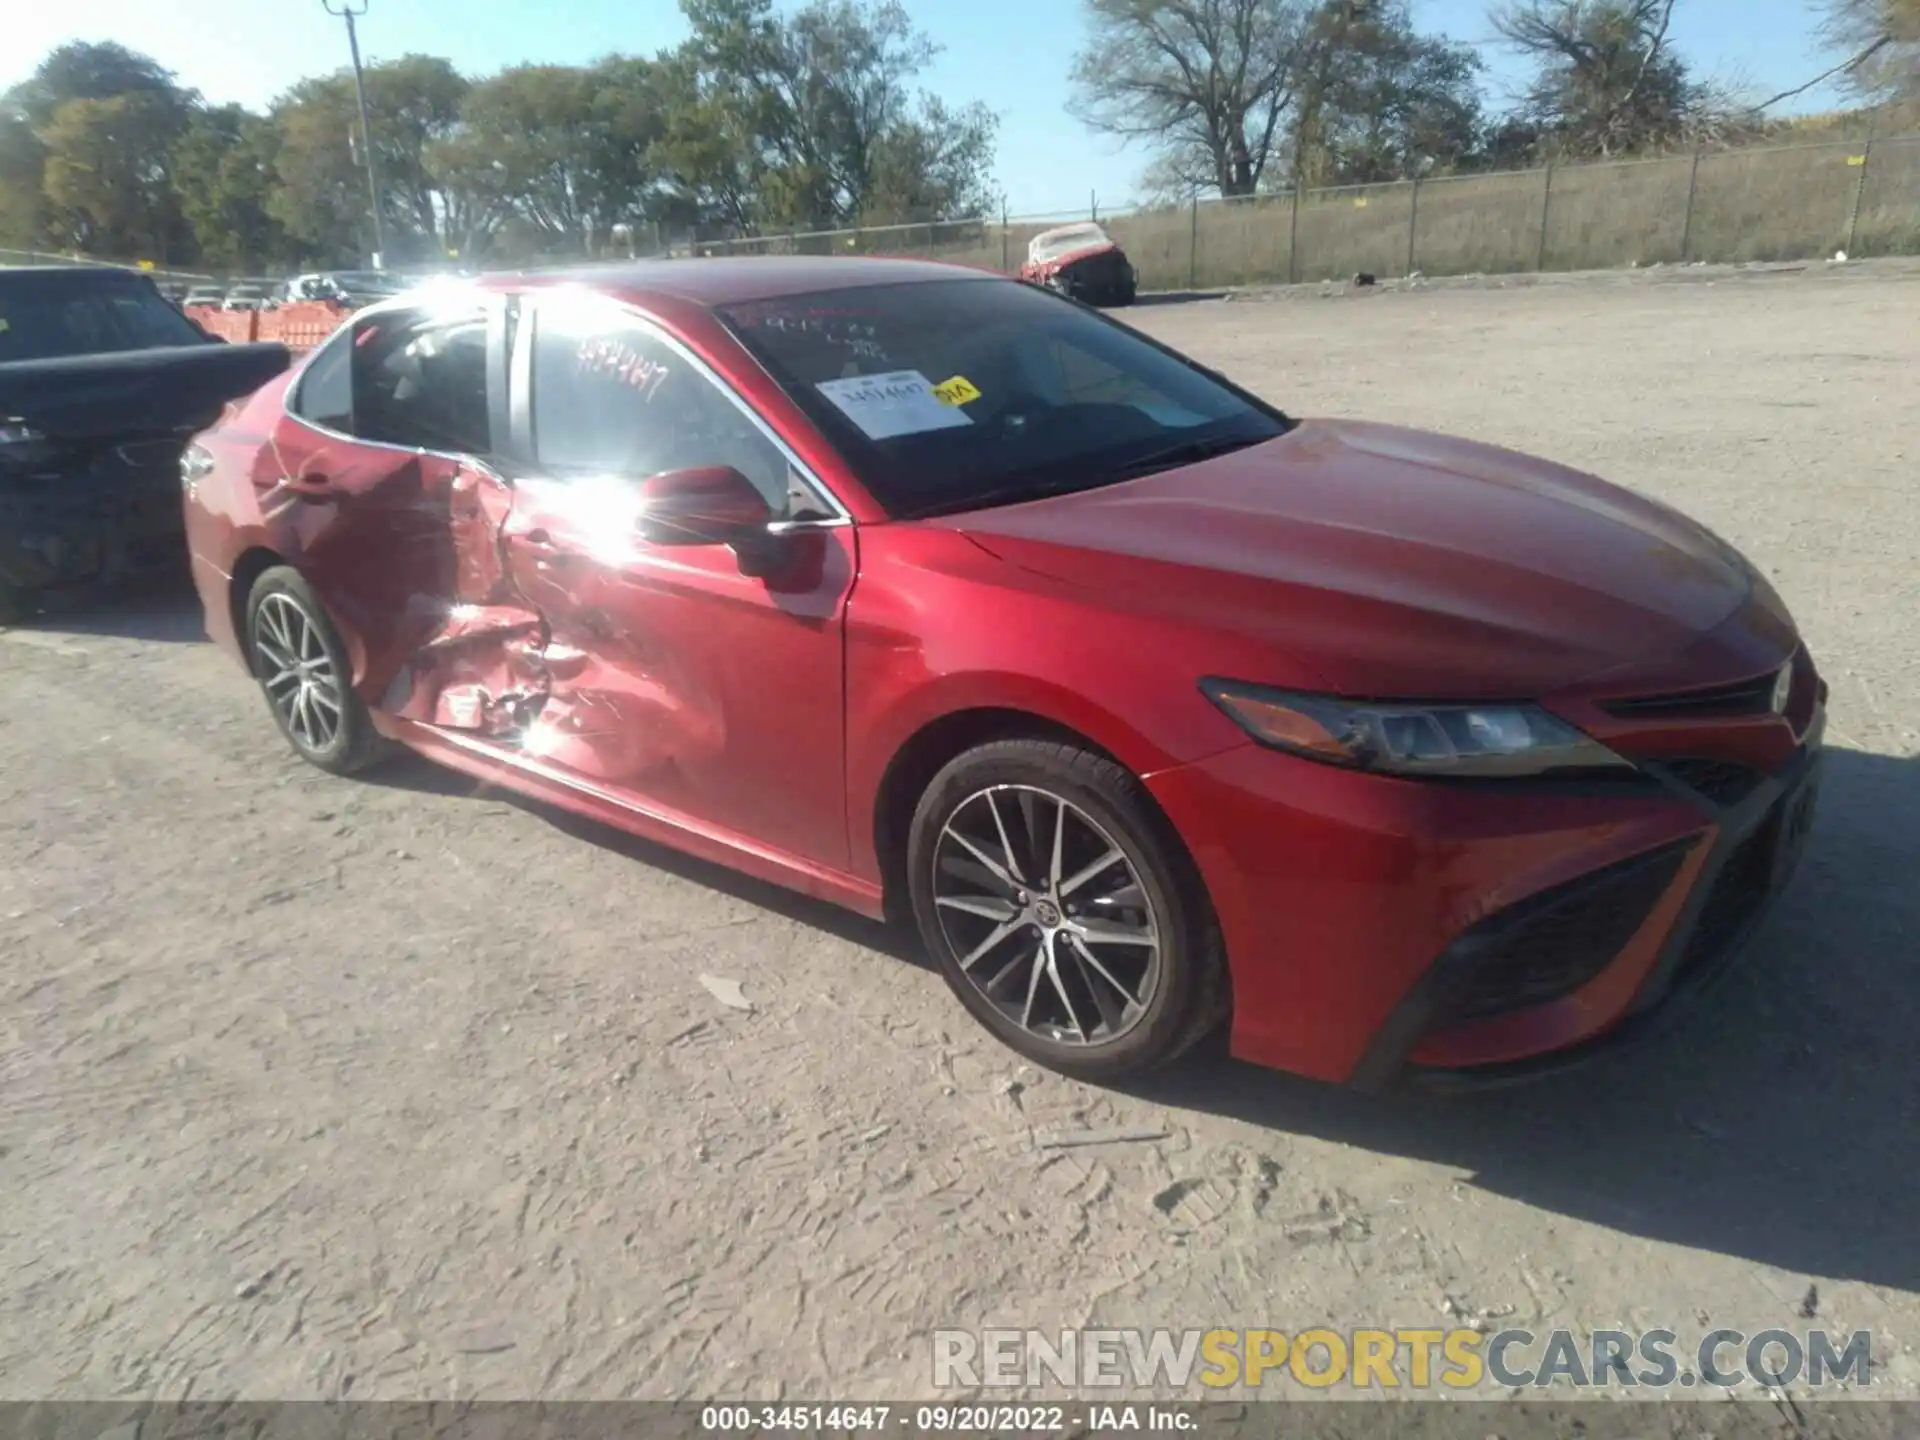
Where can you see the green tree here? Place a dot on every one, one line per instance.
(811, 120)
(224, 175)
(108, 174)
(413, 106)
(84, 71)
(23, 218)
(564, 149)
(100, 120)
(1208, 85)
(1396, 104)
(708, 154)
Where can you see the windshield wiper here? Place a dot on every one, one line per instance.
(1187, 452)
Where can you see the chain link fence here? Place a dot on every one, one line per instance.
(1780, 203)
(1776, 203)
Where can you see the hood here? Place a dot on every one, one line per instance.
(1371, 560)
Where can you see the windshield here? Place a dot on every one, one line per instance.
(87, 314)
(954, 394)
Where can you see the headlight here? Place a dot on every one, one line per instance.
(196, 463)
(1489, 740)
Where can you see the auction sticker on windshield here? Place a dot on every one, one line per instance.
(957, 391)
(901, 402)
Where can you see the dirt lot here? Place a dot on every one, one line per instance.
(313, 1088)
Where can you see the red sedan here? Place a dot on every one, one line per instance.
(934, 594)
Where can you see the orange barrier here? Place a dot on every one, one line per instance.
(303, 325)
(235, 325)
(299, 326)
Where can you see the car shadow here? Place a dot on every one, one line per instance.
(1778, 1120)
(411, 772)
(166, 611)
(1177, 297)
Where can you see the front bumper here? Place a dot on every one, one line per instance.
(1743, 869)
(1383, 932)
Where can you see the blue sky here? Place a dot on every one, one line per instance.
(1012, 54)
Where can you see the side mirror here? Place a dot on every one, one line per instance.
(711, 505)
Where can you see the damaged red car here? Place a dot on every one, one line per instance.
(1082, 262)
(926, 593)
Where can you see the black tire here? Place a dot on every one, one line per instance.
(353, 744)
(1189, 993)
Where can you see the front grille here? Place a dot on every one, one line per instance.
(1742, 885)
(1720, 782)
(1745, 697)
(1551, 944)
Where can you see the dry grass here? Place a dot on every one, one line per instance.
(1750, 204)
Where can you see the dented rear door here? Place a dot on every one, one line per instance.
(381, 486)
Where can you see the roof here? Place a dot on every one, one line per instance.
(1064, 239)
(1079, 230)
(733, 279)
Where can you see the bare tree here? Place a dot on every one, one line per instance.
(1608, 80)
(1207, 83)
(1882, 42)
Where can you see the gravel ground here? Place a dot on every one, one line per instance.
(317, 1088)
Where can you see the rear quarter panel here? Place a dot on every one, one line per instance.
(223, 517)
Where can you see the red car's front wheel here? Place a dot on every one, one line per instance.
(1062, 909)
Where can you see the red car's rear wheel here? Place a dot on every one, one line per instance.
(303, 672)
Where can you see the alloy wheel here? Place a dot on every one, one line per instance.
(1046, 915)
(297, 673)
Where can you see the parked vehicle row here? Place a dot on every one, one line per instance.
(348, 288)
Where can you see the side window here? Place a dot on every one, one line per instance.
(324, 393)
(610, 398)
(422, 381)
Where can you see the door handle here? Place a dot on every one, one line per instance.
(309, 484)
(538, 539)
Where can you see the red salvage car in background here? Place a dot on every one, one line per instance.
(1082, 262)
(926, 593)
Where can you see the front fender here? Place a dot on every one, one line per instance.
(887, 728)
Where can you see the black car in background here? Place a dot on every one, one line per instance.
(351, 288)
(102, 381)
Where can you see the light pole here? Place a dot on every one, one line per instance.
(349, 12)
